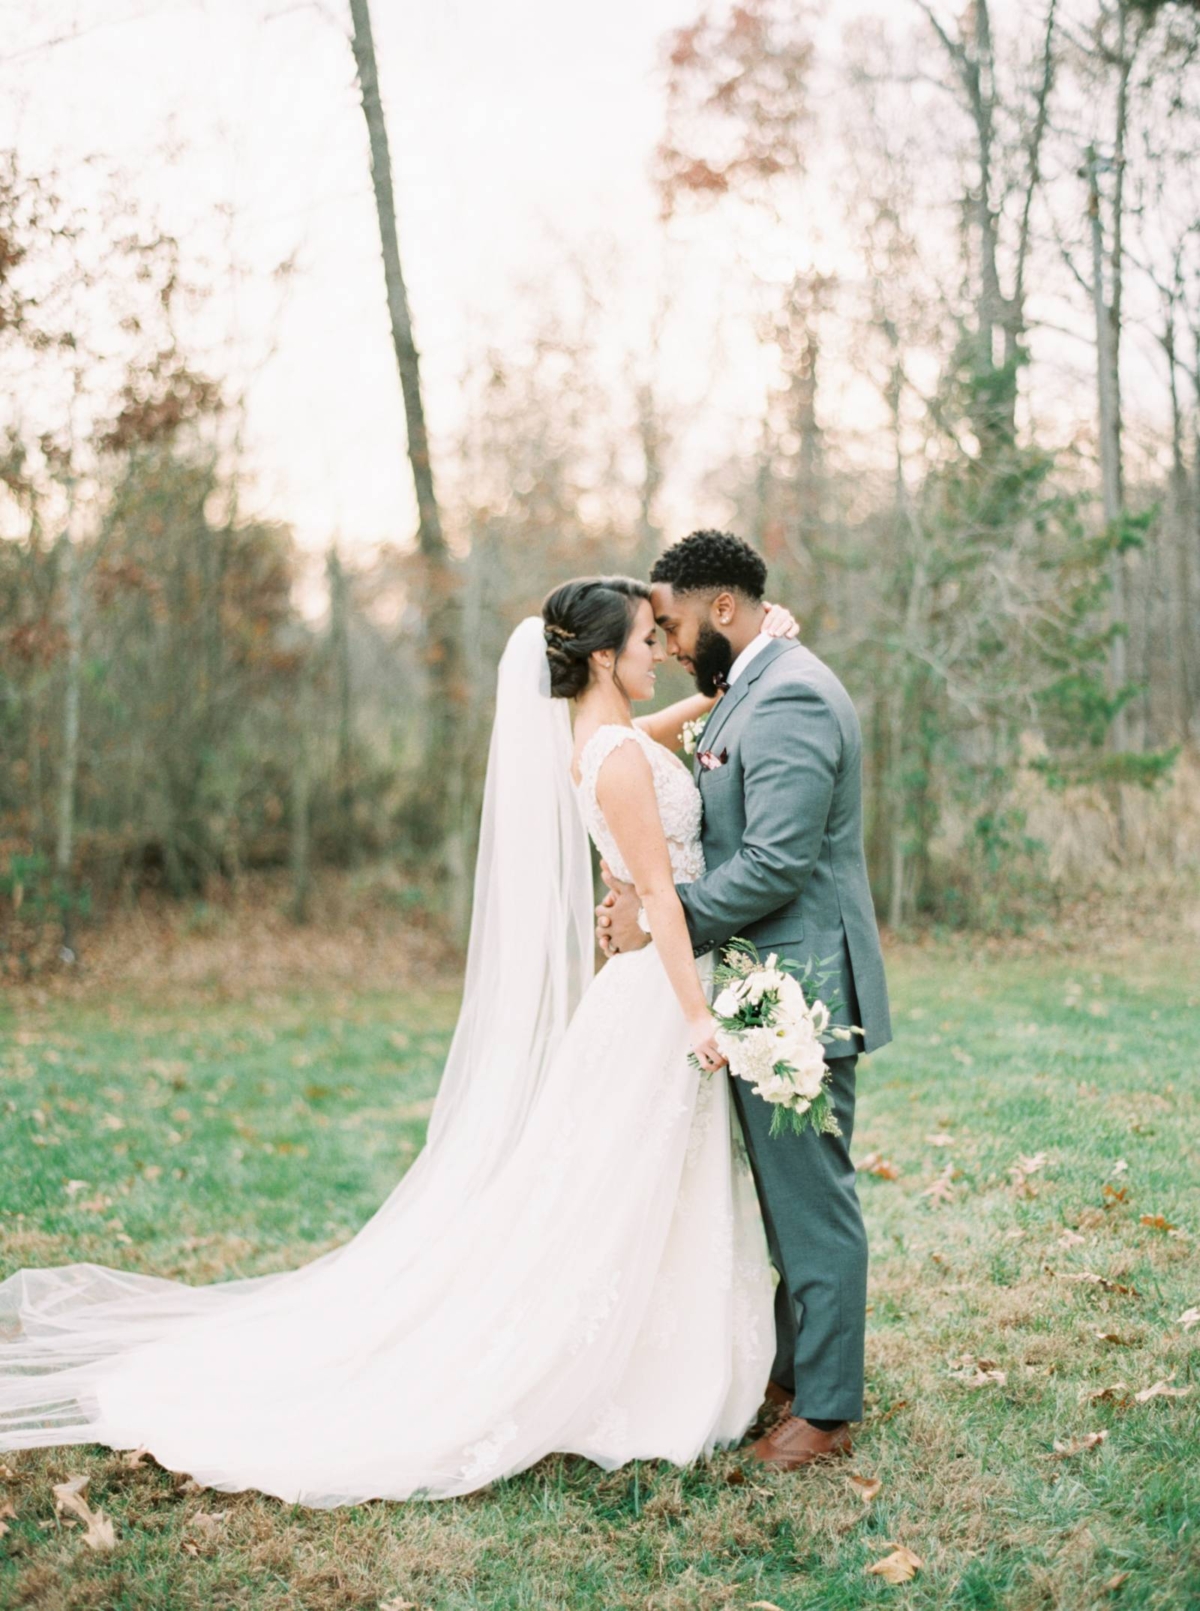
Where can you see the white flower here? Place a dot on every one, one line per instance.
(690, 732)
(727, 1003)
(792, 1004)
(751, 1052)
(776, 1088)
(809, 1077)
(762, 981)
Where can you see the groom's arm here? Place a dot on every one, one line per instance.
(790, 752)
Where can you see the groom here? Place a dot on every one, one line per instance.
(779, 767)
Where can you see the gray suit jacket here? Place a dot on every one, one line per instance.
(783, 833)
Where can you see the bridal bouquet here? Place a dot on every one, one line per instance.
(772, 1030)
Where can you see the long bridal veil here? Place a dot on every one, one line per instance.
(68, 1333)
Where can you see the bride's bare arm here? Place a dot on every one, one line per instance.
(625, 794)
(666, 726)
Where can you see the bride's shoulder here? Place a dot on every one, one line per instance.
(600, 744)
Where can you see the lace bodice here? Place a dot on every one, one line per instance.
(677, 795)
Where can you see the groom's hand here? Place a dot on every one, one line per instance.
(616, 916)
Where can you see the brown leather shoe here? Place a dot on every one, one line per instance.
(795, 1442)
(777, 1402)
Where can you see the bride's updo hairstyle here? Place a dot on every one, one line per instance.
(582, 616)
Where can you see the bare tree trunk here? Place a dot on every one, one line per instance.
(442, 637)
(651, 437)
(1110, 444)
(339, 654)
(301, 801)
(428, 513)
(65, 842)
(973, 60)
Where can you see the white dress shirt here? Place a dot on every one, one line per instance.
(755, 647)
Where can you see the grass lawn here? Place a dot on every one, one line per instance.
(1030, 1157)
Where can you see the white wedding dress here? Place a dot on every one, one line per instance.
(575, 1263)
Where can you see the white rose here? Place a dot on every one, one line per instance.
(776, 1088)
(808, 1075)
(727, 1003)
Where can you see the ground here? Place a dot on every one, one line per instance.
(1029, 1154)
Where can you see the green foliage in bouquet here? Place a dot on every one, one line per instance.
(757, 1002)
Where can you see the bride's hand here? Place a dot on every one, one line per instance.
(779, 622)
(703, 1032)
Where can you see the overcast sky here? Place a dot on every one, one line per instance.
(512, 125)
(518, 129)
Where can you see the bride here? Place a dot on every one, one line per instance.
(575, 1263)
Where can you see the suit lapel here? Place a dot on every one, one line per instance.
(737, 693)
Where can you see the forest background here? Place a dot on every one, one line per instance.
(940, 269)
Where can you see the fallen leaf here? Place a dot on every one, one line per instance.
(1161, 1389)
(7, 1513)
(980, 1373)
(1120, 1167)
(1117, 1393)
(1189, 1318)
(941, 1139)
(101, 1534)
(1114, 1194)
(736, 1478)
(899, 1566)
(1157, 1222)
(1116, 1338)
(1029, 1166)
(900, 1404)
(208, 1521)
(755, 1605)
(1071, 1239)
(134, 1458)
(1092, 1279)
(68, 1496)
(876, 1164)
(1115, 1581)
(865, 1487)
(940, 1190)
(1089, 1440)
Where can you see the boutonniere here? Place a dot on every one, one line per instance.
(711, 762)
(690, 733)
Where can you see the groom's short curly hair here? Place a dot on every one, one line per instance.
(708, 561)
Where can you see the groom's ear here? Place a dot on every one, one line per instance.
(723, 608)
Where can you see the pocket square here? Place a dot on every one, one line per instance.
(711, 761)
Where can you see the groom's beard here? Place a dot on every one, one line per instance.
(712, 659)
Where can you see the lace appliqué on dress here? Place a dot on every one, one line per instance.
(679, 803)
